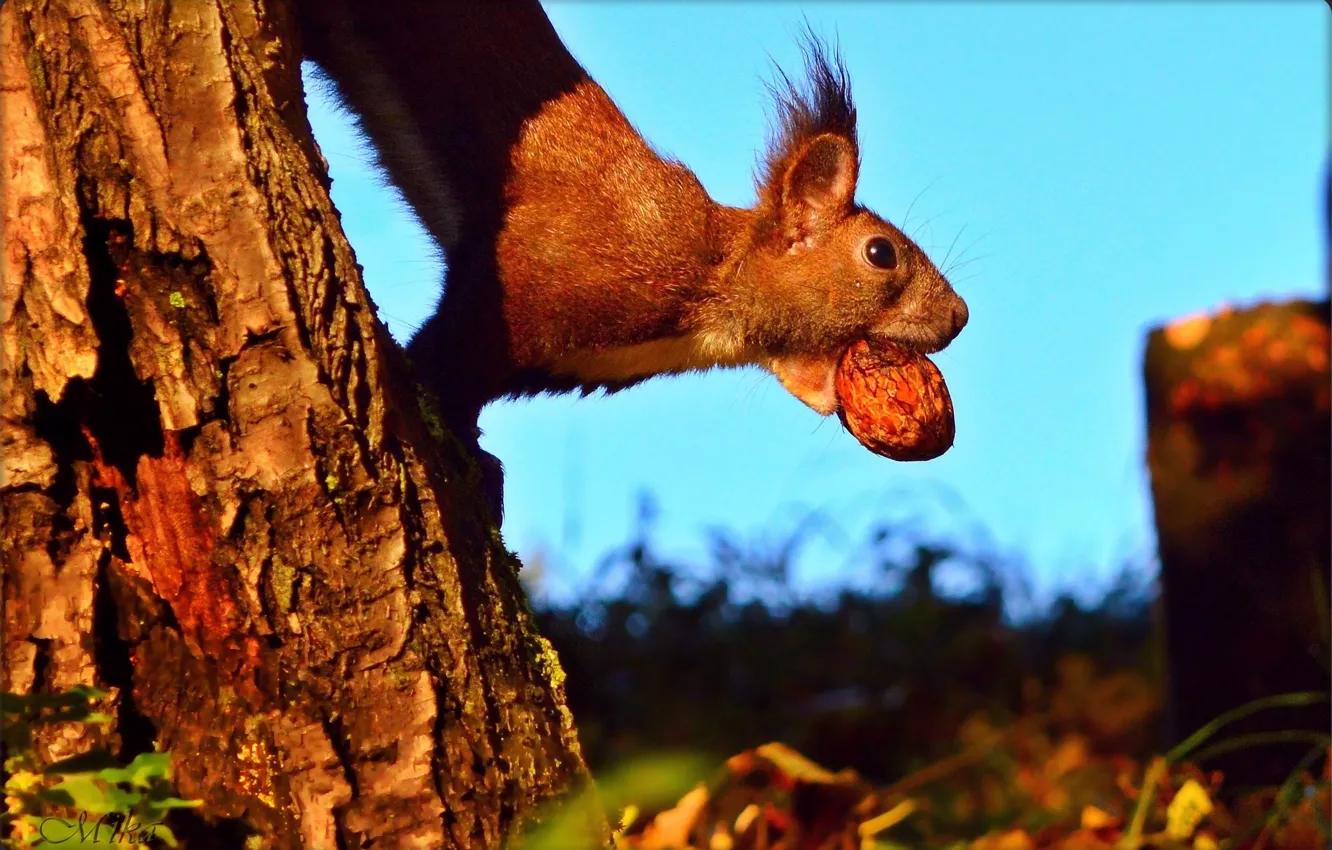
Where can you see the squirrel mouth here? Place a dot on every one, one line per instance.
(913, 335)
(812, 378)
(925, 334)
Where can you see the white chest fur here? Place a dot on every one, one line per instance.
(659, 357)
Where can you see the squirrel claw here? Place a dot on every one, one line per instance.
(492, 482)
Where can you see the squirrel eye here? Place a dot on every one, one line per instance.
(880, 253)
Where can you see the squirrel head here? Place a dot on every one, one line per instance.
(820, 271)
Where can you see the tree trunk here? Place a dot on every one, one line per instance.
(224, 500)
(1238, 420)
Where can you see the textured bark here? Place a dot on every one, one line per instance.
(1238, 417)
(223, 500)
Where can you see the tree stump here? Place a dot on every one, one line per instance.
(1238, 446)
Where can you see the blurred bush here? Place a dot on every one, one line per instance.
(725, 655)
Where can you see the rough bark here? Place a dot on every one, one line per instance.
(223, 498)
(1238, 418)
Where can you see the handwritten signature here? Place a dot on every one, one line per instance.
(108, 829)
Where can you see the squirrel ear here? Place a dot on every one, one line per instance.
(821, 180)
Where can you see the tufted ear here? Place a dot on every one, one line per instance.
(820, 182)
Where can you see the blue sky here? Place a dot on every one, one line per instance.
(1107, 167)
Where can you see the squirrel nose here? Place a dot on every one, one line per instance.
(960, 316)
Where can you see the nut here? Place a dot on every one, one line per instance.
(894, 401)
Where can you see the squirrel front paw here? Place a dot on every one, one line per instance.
(492, 482)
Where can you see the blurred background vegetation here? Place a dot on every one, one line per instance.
(724, 655)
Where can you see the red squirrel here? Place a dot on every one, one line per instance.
(577, 257)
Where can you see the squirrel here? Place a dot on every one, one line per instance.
(577, 257)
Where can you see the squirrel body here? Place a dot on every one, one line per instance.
(580, 259)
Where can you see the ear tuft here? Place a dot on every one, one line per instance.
(813, 157)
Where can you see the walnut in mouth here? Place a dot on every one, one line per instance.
(894, 401)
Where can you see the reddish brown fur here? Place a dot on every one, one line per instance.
(581, 258)
(605, 243)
